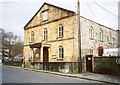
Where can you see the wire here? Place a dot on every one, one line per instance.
(91, 11)
(105, 9)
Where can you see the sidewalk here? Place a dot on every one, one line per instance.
(89, 76)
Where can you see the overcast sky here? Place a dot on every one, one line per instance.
(14, 14)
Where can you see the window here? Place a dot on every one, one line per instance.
(101, 36)
(61, 52)
(45, 34)
(91, 30)
(109, 38)
(45, 15)
(113, 40)
(32, 37)
(60, 31)
(31, 55)
(91, 51)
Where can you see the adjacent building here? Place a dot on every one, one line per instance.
(50, 40)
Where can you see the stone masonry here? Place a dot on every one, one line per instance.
(56, 16)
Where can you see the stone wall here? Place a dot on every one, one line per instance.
(54, 13)
(94, 43)
(67, 19)
(64, 67)
(106, 65)
(69, 41)
(87, 43)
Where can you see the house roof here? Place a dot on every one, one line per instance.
(98, 23)
(41, 8)
(68, 11)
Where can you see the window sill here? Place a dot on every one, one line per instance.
(44, 40)
(91, 38)
(31, 42)
(101, 41)
(45, 20)
(109, 43)
(60, 59)
(59, 37)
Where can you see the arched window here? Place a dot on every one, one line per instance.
(101, 35)
(61, 52)
(32, 36)
(109, 38)
(45, 34)
(91, 31)
(60, 31)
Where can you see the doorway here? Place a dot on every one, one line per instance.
(89, 67)
(45, 58)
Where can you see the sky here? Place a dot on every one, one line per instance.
(14, 14)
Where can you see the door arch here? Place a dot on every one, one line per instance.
(100, 50)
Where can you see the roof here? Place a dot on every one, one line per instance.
(49, 5)
(68, 11)
(98, 23)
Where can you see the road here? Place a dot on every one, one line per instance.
(13, 75)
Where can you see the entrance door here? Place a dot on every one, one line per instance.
(45, 57)
(89, 67)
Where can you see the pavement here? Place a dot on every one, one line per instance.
(88, 76)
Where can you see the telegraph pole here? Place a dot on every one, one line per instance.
(79, 38)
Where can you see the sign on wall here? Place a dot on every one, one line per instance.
(112, 52)
(118, 61)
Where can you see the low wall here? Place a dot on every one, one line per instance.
(106, 65)
(65, 67)
(19, 64)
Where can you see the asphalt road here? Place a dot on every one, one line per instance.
(13, 75)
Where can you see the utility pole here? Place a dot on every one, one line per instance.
(79, 38)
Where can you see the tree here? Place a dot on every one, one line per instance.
(17, 48)
(11, 42)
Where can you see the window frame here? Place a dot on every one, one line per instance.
(91, 31)
(60, 52)
(32, 35)
(45, 34)
(101, 35)
(113, 41)
(91, 51)
(60, 30)
(45, 15)
(109, 38)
